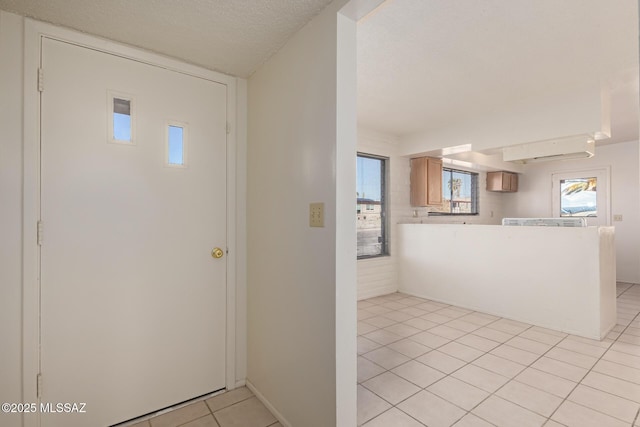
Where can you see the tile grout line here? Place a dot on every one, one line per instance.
(514, 379)
(150, 416)
(635, 317)
(591, 370)
(212, 413)
(389, 370)
(432, 349)
(466, 363)
(470, 362)
(488, 352)
(485, 353)
(195, 419)
(577, 383)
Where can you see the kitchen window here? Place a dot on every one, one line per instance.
(459, 193)
(371, 206)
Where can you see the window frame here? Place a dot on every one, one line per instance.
(384, 199)
(475, 194)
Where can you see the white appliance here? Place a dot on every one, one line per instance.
(546, 222)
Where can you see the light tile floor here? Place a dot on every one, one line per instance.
(422, 363)
(235, 408)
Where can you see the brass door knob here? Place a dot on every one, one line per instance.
(217, 253)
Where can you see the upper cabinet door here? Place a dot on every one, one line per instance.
(426, 181)
(513, 182)
(434, 181)
(418, 181)
(502, 181)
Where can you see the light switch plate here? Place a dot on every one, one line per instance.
(316, 215)
(617, 217)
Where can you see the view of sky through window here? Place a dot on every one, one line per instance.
(121, 127)
(578, 197)
(369, 179)
(456, 185)
(121, 119)
(176, 145)
(370, 207)
(459, 192)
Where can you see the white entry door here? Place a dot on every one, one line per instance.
(582, 193)
(133, 190)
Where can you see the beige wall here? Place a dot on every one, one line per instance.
(301, 347)
(11, 28)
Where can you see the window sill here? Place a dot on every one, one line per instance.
(365, 257)
(451, 214)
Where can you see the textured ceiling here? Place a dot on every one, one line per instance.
(422, 64)
(427, 64)
(231, 36)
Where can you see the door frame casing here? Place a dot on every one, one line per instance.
(34, 32)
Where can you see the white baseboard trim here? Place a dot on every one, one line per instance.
(376, 292)
(504, 316)
(268, 404)
(240, 383)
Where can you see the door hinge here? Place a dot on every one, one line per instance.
(40, 231)
(40, 80)
(228, 128)
(39, 386)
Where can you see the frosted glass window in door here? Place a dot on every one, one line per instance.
(578, 197)
(122, 120)
(176, 146)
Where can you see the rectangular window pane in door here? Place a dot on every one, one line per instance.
(176, 145)
(122, 120)
(578, 197)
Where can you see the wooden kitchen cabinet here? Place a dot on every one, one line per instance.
(426, 181)
(502, 181)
